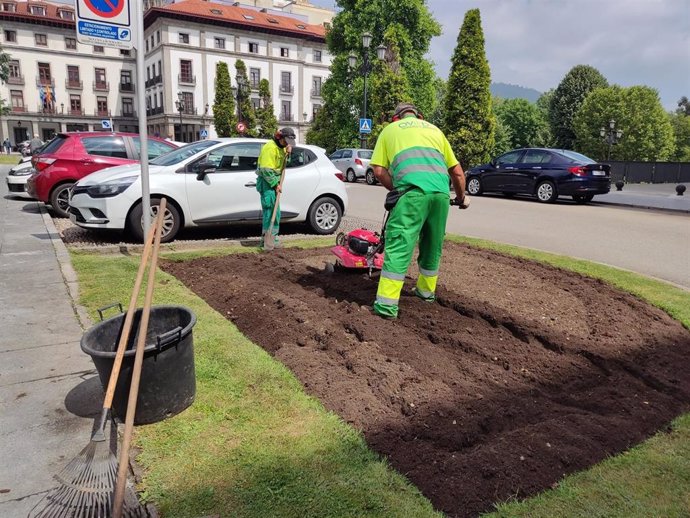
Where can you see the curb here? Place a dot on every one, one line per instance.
(641, 207)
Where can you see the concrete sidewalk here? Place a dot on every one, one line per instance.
(647, 196)
(49, 390)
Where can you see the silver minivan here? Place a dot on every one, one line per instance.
(354, 164)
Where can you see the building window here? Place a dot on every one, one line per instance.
(153, 70)
(147, 45)
(256, 103)
(65, 14)
(11, 36)
(148, 73)
(97, 49)
(273, 20)
(9, 8)
(100, 76)
(17, 100)
(286, 82)
(300, 26)
(160, 96)
(126, 77)
(188, 102)
(102, 106)
(247, 16)
(124, 52)
(15, 71)
(44, 76)
(160, 68)
(316, 86)
(284, 52)
(75, 104)
(314, 111)
(317, 56)
(184, 37)
(38, 10)
(186, 75)
(71, 43)
(216, 11)
(127, 106)
(158, 37)
(151, 41)
(286, 113)
(219, 43)
(253, 47)
(41, 40)
(73, 76)
(254, 77)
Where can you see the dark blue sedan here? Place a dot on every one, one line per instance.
(544, 173)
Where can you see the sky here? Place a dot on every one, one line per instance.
(534, 43)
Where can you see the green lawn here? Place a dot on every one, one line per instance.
(255, 445)
(9, 159)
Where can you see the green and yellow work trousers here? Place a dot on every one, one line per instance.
(268, 201)
(417, 216)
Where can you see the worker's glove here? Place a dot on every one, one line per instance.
(463, 202)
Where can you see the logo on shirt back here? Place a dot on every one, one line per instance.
(414, 123)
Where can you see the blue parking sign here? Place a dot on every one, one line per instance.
(365, 125)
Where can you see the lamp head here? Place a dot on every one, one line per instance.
(366, 40)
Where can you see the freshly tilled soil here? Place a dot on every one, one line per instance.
(519, 374)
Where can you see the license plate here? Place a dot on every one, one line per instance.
(599, 173)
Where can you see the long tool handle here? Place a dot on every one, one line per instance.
(269, 238)
(99, 434)
(118, 498)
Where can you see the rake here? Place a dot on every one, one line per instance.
(87, 483)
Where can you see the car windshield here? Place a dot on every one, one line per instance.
(178, 155)
(577, 157)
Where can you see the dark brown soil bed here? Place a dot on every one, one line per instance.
(519, 374)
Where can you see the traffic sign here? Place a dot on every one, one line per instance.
(203, 133)
(105, 124)
(365, 125)
(104, 22)
(241, 127)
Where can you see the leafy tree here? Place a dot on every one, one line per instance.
(266, 122)
(410, 25)
(681, 130)
(525, 122)
(567, 99)
(4, 75)
(683, 106)
(544, 107)
(323, 132)
(436, 116)
(246, 109)
(223, 104)
(637, 111)
(469, 121)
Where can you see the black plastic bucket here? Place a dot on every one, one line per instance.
(168, 384)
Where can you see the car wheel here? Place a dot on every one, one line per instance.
(474, 186)
(546, 192)
(324, 215)
(583, 198)
(171, 221)
(350, 176)
(59, 199)
(370, 178)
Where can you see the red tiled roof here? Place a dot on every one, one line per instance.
(237, 16)
(23, 11)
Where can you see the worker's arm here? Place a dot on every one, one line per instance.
(384, 178)
(457, 176)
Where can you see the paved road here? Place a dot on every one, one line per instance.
(654, 243)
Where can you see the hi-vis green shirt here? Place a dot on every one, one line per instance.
(270, 163)
(416, 153)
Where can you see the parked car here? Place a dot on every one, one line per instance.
(211, 182)
(24, 149)
(71, 156)
(354, 164)
(18, 176)
(544, 173)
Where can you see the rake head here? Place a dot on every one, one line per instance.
(86, 487)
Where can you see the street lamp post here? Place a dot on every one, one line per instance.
(180, 108)
(239, 95)
(365, 69)
(611, 136)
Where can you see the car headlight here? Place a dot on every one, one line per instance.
(112, 188)
(21, 172)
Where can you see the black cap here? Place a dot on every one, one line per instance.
(289, 135)
(403, 108)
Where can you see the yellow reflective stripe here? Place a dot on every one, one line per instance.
(389, 291)
(426, 284)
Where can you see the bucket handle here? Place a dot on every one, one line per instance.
(169, 337)
(104, 308)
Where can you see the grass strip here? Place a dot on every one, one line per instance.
(254, 445)
(9, 159)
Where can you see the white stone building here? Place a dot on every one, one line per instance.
(57, 84)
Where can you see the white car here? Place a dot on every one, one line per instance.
(210, 182)
(18, 176)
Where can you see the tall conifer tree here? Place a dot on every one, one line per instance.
(224, 104)
(246, 108)
(266, 121)
(469, 122)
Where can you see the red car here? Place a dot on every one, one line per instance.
(71, 156)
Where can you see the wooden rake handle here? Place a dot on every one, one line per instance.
(118, 498)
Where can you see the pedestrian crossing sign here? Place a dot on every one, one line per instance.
(365, 125)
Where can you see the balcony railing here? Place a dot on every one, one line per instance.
(76, 112)
(130, 114)
(153, 81)
(101, 113)
(101, 86)
(16, 80)
(46, 109)
(286, 117)
(74, 84)
(45, 81)
(286, 89)
(316, 92)
(254, 85)
(18, 109)
(127, 87)
(188, 110)
(155, 111)
(186, 79)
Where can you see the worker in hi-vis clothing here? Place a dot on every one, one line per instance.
(270, 165)
(414, 157)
